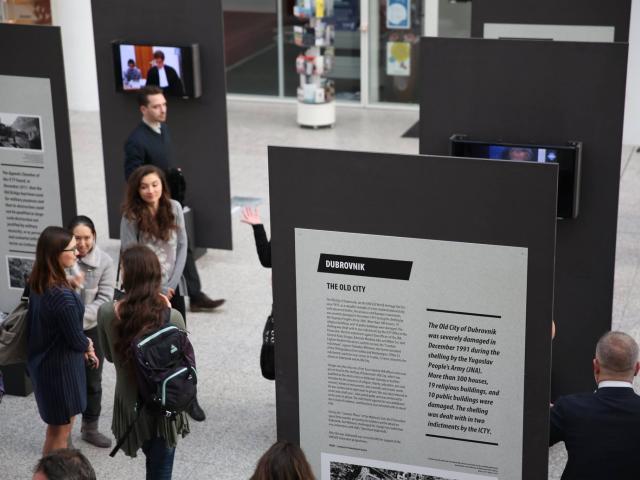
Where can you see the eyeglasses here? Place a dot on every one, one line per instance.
(74, 250)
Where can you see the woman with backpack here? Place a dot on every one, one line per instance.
(94, 278)
(57, 348)
(142, 311)
(150, 217)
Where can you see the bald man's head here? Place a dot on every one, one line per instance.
(616, 357)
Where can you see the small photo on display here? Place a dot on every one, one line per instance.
(350, 471)
(18, 131)
(19, 269)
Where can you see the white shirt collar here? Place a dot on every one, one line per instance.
(153, 126)
(614, 383)
(162, 76)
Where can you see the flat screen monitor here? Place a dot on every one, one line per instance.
(175, 69)
(568, 158)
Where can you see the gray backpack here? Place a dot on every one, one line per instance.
(13, 333)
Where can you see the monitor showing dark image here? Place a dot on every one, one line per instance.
(173, 68)
(568, 158)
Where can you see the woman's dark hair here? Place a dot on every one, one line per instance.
(283, 461)
(135, 209)
(141, 309)
(82, 220)
(47, 271)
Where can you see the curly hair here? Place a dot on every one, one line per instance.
(136, 210)
(141, 309)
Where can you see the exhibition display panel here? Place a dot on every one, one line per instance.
(37, 187)
(404, 342)
(192, 47)
(586, 20)
(514, 99)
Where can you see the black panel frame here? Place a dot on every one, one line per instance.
(198, 126)
(36, 51)
(480, 201)
(528, 91)
(550, 12)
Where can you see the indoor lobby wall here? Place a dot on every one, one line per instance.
(74, 19)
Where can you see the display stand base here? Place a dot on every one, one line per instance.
(16, 381)
(316, 114)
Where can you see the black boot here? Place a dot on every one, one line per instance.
(195, 411)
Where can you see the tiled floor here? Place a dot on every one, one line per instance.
(239, 403)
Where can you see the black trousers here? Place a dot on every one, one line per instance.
(191, 276)
(94, 380)
(177, 302)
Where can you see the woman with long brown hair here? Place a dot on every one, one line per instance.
(57, 346)
(283, 461)
(150, 217)
(142, 310)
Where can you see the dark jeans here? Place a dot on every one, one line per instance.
(177, 302)
(94, 380)
(159, 460)
(191, 276)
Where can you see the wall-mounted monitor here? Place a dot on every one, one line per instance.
(175, 69)
(568, 158)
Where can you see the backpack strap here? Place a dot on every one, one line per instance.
(125, 435)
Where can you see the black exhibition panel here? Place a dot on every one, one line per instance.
(37, 52)
(420, 197)
(543, 92)
(549, 12)
(198, 126)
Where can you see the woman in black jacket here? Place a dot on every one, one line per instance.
(252, 217)
(57, 346)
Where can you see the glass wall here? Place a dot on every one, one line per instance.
(376, 46)
(394, 42)
(251, 46)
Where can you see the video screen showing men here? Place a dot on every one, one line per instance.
(143, 65)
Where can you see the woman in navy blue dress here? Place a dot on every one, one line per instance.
(57, 346)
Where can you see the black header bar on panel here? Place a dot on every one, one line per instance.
(365, 267)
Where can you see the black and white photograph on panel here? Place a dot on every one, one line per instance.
(347, 471)
(375, 470)
(20, 131)
(19, 269)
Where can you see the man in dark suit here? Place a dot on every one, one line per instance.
(601, 430)
(150, 143)
(164, 76)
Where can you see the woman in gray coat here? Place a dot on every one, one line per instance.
(94, 278)
(150, 217)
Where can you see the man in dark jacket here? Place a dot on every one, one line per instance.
(601, 430)
(150, 143)
(164, 76)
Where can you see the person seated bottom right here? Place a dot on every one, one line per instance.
(601, 430)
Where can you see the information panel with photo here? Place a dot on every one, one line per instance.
(30, 188)
(410, 355)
